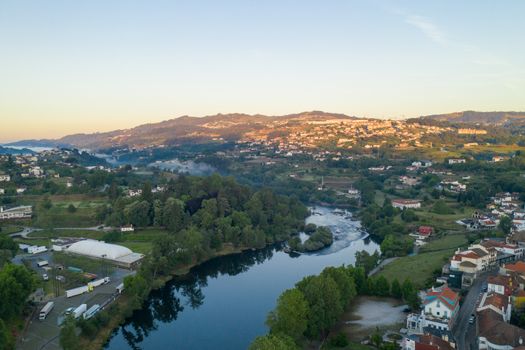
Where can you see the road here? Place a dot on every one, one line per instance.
(27, 230)
(382, 264)
(464, 332)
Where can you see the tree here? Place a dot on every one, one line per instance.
(440, 207)
(68, 336)
(173, 216)
(324, 302)
(290, 315)
(382, 288)
(16, 283)
(5, 341)
(273, 342)
(505, 224)
(71, 208)
(138, 213)
(395, 289)
(147, 195)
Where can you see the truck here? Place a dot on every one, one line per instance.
(91, 311)
(42, 263)
(46, 310)
(120, 288)
(79, 311)
(99, 282)
(76, 291)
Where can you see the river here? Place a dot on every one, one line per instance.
(223, 303)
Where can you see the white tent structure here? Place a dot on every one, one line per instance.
(118, 254)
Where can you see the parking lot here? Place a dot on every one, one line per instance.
(45, 334)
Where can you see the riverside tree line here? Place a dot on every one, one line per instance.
(204, 215)
(308, 311)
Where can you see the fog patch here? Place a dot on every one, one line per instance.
(187, 167)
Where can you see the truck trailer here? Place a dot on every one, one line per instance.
(46, 310)
(76, 291)
(79, 311)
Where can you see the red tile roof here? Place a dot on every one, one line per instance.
(446, 295)
(517, 267)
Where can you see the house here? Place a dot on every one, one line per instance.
(498, 303)
(501, 284)
(423, 232)
(495, 333)
(422, 164)
(456, 161)
(518, 268)
(22, 212)
(425, 342)
(441, 307)
(2, 191)
(409, 180)
(507, 251)
(472, 262)
(5, 178)
(127, 228)
(134, 193)
(406, 203)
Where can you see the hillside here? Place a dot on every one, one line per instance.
(186, 129)
(482, 118)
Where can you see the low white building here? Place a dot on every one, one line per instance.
(22, 212)
(406, 203)
(5, 178)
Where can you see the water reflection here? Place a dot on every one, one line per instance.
(222, 304)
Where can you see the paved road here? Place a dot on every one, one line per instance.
(27, 230)
(382, 264)
(464, 332)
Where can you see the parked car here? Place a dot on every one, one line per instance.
(45, 277)
(471, 319)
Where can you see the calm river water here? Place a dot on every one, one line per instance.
(223, 303)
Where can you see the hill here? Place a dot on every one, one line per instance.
(481, 118)
(185, 129)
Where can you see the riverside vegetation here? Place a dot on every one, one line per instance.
(205, 217)
(306, 312)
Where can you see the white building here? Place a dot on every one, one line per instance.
(5, 178)
(117, 254)
(406, 203)
(22, 212)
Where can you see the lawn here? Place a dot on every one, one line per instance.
(50, 233)
(8, 229)
(138, 247)
(417, 268)
(450, 241)
(420, 267)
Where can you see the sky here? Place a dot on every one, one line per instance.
(84, 66)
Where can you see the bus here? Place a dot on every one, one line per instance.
(46, 310)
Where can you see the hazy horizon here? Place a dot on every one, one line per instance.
(72, 67)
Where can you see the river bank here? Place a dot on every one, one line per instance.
(117, 310)
(232, 294)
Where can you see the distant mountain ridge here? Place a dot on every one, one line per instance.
(482, 118)
(185, 129)
(234, 126)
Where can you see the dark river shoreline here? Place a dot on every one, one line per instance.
(223, 303)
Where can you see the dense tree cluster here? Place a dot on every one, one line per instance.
(309, 310)
(319, 238)
(16, 284)
(216, 208)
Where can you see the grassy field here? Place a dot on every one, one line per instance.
(50, 233)
(8, 229)
(431, 257)
(140, 241)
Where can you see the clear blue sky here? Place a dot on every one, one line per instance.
(78, 66)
